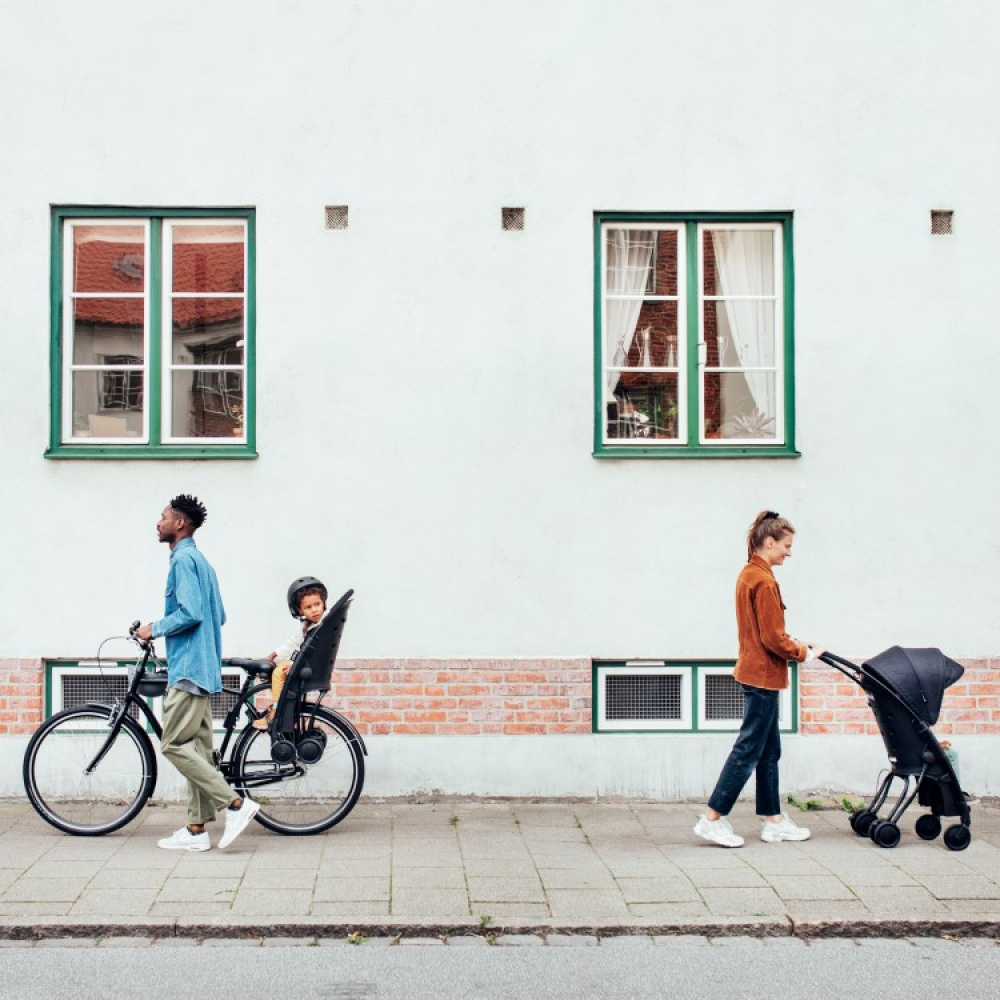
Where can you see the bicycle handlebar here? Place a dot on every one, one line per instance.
(143, 643)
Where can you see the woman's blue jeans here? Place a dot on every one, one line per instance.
(757, 748)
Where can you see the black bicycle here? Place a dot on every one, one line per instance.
(90, 769)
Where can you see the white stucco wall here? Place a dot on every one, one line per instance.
(425, 380)
(660, 768)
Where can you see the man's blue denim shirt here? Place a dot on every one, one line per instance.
(192, 619)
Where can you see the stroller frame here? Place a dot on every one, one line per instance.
(917, 759)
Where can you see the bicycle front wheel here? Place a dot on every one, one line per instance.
(81, 784)
(299, 797)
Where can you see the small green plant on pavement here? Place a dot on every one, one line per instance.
(805, 805)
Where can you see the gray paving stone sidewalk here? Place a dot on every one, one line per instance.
(452, 869)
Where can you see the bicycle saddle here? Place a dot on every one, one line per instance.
(256, 668)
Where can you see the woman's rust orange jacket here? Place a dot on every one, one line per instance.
(765, 646)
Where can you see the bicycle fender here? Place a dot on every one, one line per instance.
(355, 735)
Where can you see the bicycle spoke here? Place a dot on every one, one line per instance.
(302, 797)
(77, 782)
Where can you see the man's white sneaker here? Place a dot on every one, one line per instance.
(784, 829)
(718, 832)
(184, 840)
(237, 820)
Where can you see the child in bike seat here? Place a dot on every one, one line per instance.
(307, 604)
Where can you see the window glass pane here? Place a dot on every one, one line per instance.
(108, 259)
(740, 405)
(652, 342)
(738, 262)
(739, 333)
(108, 403)
(640, 262)
(643, 405)
(106, 329)
(205, 330)
(207, 403)
(208, 258)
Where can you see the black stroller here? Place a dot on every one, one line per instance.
(905, 688)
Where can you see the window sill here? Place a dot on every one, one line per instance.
(681, 451)
(157, 452)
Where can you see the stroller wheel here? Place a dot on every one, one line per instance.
(885, 834)
(928, 827)
(861, 822)
(957, 838)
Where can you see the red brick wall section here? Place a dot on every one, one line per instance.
(830, 703)
(521, 697)
(464, 697)
(20, 696)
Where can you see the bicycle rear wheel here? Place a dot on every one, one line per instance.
(94, 802)
(299, 797)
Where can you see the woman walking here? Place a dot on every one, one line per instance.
(762, 672)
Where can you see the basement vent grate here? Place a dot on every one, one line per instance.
(643, 696)
(82, 689)
(941, 221)
(223, 701)
(512, 218)
(723, 698)
(336, 216)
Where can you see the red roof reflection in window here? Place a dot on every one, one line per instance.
(103, 266)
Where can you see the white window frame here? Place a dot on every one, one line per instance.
(778, 299)
(785, 715)
(643, 668)
(680, 368)
(70, 297)
(167, 367)
(94, 668)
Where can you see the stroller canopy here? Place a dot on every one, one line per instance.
(919, 677)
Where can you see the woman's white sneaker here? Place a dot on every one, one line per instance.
(784, 829)
(718, 831)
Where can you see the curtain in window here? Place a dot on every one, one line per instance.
(629, 256)
(745, 261)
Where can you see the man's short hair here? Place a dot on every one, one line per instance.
(190, 508)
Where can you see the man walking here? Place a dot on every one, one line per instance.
(192, 623)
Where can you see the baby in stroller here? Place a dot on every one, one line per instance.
(307, 599)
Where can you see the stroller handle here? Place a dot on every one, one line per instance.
(833, 660)
(850, 670)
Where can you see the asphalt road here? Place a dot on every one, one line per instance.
(619, 968)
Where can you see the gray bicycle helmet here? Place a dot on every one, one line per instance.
(296, 588)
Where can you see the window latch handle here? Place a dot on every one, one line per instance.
(702, 353)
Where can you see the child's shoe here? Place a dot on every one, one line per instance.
(265, 720)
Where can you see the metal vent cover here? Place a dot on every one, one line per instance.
(336, 216)
(223, 701)
(643, 697)
(941, 221)
(82, 689)
(723, 698)
(512, 218)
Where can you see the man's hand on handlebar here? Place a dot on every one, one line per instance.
(144, 632)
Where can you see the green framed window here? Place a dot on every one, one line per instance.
(152, 333)
(70, 683)
(677, 696)
(694, 335)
